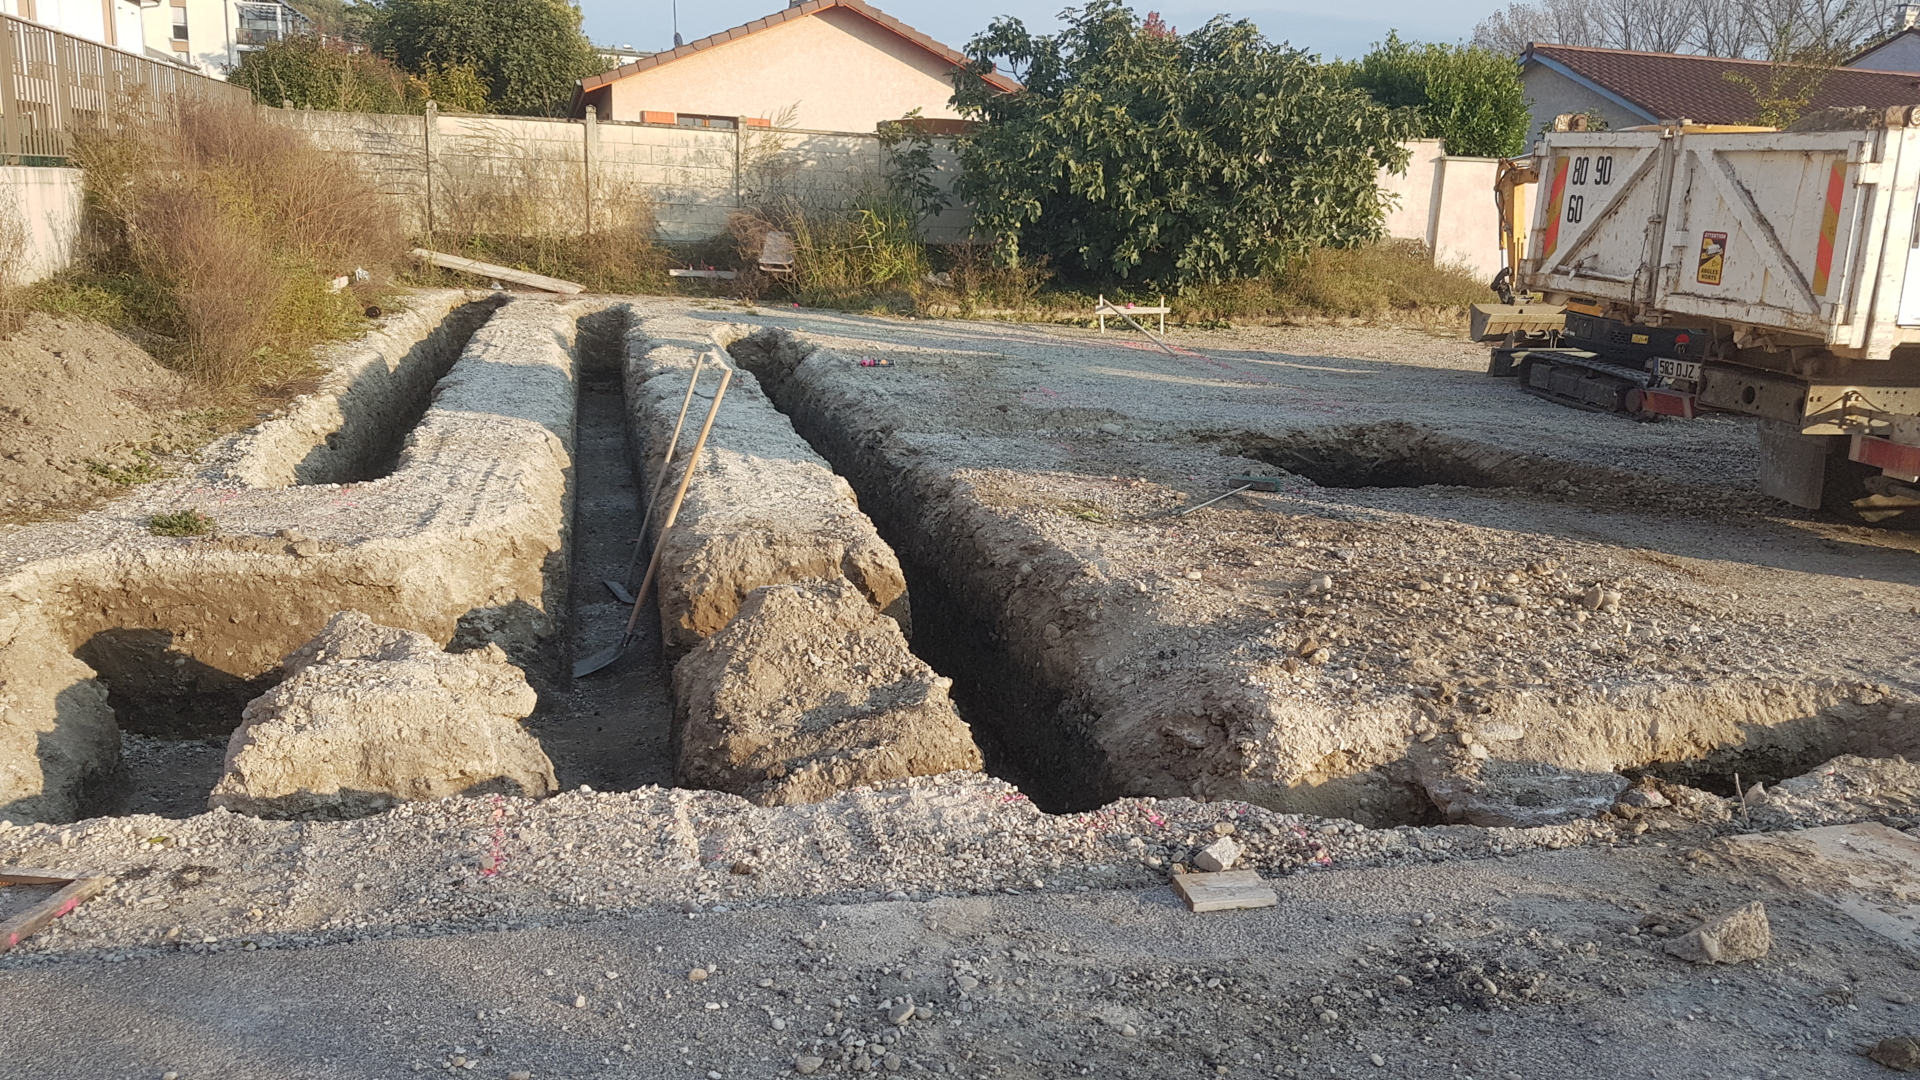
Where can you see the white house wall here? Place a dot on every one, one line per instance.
(840, 71)
(209, 46)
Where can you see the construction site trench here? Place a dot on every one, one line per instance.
(962, 652)
(858, 592)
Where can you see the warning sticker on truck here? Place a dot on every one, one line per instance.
(1713, 257)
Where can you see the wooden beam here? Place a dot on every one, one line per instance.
(78, 886)
(503, 273)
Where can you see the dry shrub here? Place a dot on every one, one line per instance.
(496, 200)
(1393, 280)
(14, 241)
(864, 257)
(219, 231)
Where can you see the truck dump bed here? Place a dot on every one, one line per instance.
(1789, 236)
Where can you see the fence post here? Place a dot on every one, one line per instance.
(589, 144)
(9, 108)
(63, 76)
(739, 157)
(430, 121)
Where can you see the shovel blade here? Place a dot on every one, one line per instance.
(619, 592)
(602, 659)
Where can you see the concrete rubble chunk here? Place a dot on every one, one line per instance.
(371, 716)
(1741, 934)
(1901, 1054)
(1217, 856)
(1495, 793)
(809, 691)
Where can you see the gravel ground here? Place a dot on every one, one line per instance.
(1368, 972)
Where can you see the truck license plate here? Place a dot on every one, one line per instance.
(1672, 370)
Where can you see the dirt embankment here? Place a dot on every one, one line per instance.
(83, 414)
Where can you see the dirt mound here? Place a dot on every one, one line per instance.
(82, 412)
(809, 691)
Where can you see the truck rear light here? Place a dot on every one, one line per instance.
(1897, 460)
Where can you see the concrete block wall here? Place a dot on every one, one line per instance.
(592, 173)
(41, 208)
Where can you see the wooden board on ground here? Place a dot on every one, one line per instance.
(503, 273)
(1224, 891)
(69, 888)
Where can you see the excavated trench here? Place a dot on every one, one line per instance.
(133, 662)
(979, 622)
(1030, 733)
(1403, 455)
(157, 684)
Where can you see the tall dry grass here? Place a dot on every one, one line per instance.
(505, 200)
(867, 256)
(216, 235)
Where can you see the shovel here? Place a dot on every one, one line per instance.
(607, 656)
(619, 588)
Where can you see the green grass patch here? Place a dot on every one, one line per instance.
(143, 470)
(180, 523)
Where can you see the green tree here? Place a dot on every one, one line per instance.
(348, 20)
(527, 53)
(313, 74)
(1136, 151)
(1467, 96)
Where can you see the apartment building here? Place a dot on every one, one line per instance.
(209, 36)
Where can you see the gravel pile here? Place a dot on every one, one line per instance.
(223, 881)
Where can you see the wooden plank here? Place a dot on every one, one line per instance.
(79, 887)
(504, 273)
(1225, 891)
(722, 275)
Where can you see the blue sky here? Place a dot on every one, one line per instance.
(1329, 29)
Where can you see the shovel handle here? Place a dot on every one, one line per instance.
(653, 497)
(679, 495)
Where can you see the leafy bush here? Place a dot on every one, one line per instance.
(1134, 151)
(313, 74)
(1465, 95)
(216, 235)
(526, 54)
(180, 523)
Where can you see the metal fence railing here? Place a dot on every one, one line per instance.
(53, 85)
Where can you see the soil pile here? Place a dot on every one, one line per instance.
(83, 411)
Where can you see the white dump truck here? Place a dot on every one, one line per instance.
(1676, 268)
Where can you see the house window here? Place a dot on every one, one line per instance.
(727, 122)
(179, 24)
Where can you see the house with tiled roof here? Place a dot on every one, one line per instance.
(1898, 51)
(836, 65)
(1626, 88)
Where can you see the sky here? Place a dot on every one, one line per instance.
(1329, 28)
